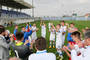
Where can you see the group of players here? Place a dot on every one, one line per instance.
(78, 48)
(57, 34)
(57, 37)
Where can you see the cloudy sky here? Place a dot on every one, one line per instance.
(59, 7)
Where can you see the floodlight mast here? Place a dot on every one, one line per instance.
(33, 10)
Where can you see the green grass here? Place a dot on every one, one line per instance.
(79, 24)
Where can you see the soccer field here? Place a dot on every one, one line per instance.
(79, 24)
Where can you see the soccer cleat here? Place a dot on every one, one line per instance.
(61, 58)
(49, 46)
(53, 46)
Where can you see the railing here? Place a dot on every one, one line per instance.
(15, 21)
(63, 18)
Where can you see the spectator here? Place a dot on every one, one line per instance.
(4, 47)
(41, 54)
(8, 24)
(5, 24)
(7, 36)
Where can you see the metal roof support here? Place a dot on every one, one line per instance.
(17, 4)
(7, 8)
(33, 10)
(20, 10)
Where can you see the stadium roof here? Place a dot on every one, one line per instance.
(18, 4)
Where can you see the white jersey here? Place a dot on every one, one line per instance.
(34, 35)
(59, 39)
(49, 25)
(30, 39)
(42, 56)
(52, 34)
(85, 54)
(43, 31)
(74, 55)
(64, 28)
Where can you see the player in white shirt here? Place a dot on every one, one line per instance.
(52, 36)
(85, 52)
(74, 46)
(64, 28)
(59, 40)
(34, 34)
(72, 28)
(49, 25)
(43, 29)
(78, 46)
(41, 54)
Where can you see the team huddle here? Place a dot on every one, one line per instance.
(57, 34)
(78, 48)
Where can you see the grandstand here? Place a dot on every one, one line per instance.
(11, 15)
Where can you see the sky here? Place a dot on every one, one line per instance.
(59, 7)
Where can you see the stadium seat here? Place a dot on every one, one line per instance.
(14, 14)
